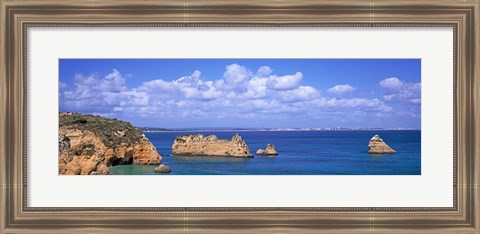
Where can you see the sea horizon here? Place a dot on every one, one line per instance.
(226, 129)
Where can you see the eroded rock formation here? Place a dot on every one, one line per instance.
(163, 169)
(268, 151)
(88, 145)
(199, 145)
(378, 146)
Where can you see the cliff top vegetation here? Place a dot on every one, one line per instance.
(112, 131)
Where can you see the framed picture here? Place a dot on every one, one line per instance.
(240, 116)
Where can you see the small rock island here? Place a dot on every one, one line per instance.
(200, 145)
(163, 169)
(268, 151)
(378, 146)
(89, 144)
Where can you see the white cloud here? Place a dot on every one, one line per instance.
(156, 86)
(208, 94)
(235, 76)
(239, 93)
(62, 86)
(238, 82)
(391, 83)
(133, 98)
(373, 104)
(191, 87)
(113, 82)
(256, 88)
(264, 71)
(90, 86)
(416, 101)
(302, 93)
(261, 104)
(398, 90)
(79, 93)
(192, 79)
(285, 82)
(94, 93)
(339, 90)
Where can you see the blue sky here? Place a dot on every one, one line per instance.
(247, 93)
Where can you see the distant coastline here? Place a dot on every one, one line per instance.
(149, 129)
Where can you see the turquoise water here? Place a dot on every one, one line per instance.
(300, 153)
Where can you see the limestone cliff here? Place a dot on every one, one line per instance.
(88, 145)
(199, 145)
(378, 146)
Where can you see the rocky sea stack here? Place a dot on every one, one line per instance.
(378, 146)
(89, 144)
(200, 145)
(163, 169)
(268, 151)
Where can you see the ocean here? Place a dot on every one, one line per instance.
(300, 153)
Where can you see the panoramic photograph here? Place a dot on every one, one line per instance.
(171, 117)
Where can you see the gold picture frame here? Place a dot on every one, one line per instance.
(17, 16)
